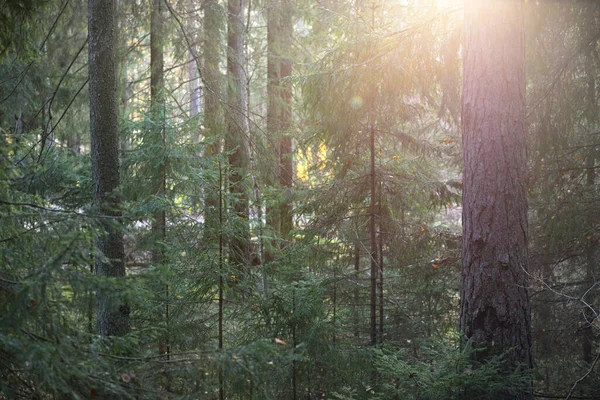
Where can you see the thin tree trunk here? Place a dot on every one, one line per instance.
(286, 166)
(259, 217)
(494, 308)
(113, 316)
(157, 100)
(194, 89)
(273, 108)
(357, 304)
(220, 322)
(157, 87)
(380, 253)
(294, 344)
(259, 257)
(192, 67)
(334, 298)
(373, 236)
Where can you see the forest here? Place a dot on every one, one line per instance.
(300, 199)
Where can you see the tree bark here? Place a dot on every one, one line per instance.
(588, 340)
(373, 238)
(279, 111)
(113, 313)
(213, 116)
(157, 105)
(123, 80)
(236, 140)
(273, 106)
(286, 167)
(192, 67)
(357, 303)
(380, 262)
(157, 112)
(495, 309)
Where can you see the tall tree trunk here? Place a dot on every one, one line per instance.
(373, 237)
(273, 107)
(157, 111)
(286, 167)
(213, 117)
(588, 340)
(220, 316)
(236, 140)
(192, 67)
(123, 83)
(294, 345)
(157, 104)
(494, 308)
(113, 314)
(211, 46)
(279, 111)
(357, 303)
(380, 253)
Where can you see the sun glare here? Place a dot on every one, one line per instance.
(443, 4)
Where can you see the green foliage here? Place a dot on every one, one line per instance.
(443, 370)
(17, 18)
(47, 290)
(303, 314)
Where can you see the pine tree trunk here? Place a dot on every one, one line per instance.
(273, 107)
(279, 111)
(211, 45)
(494, 300)
(236, 140)
(221, 298)
(286, 167)
(357, 304)
(380, 262)
(588, 341)
(373, 237)
(157, 100)
(157, 112)
(113, 314)
(213, 117)
(123, 83)
(192, 67)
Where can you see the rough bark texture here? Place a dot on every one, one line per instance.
(236, 140)
(279, 111)
(212, 77)
(113, 314)
(494, 300)
(589, 342)
(212, 109)
(123, 66)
